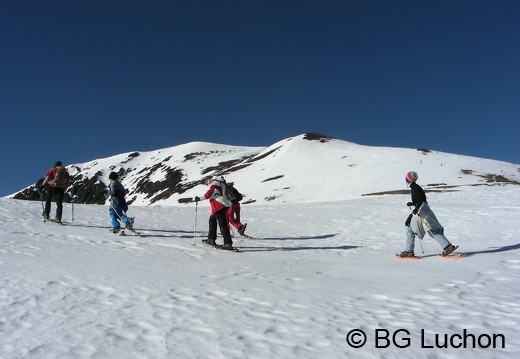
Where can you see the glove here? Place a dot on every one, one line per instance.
(408, 220)
(197, 198)
(410, 204)
(415, 210)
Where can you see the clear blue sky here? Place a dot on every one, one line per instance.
(81, 80)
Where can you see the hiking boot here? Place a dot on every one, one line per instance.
(130, 223)
(211, 242)
(114, 230)
(450, 248)
(242, 229)
(227, 247)
(57, 220)
(407, 254)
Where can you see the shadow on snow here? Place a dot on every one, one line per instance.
(274, 249)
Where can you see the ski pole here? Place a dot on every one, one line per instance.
(422, 249)
(41, 198)
(43, 207)
(112, 206)
(195, 230)
(72, 204)
(235, 236)
(73, 196)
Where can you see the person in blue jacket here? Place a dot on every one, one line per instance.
(118, 206)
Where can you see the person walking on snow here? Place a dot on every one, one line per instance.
(219, 207)
(233, 213)
(118, 206)
(422, 220)
(58, 179)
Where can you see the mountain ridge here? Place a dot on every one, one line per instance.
(280, 173)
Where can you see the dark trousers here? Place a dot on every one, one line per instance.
(57, 193)
(220, 218)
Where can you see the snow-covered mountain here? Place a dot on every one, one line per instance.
(315, 280)
(305, 168)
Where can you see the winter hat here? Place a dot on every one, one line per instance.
(112, 176)
(57, 163)
(411, 177)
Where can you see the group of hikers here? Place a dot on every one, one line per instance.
(225, 209)
(224, 201)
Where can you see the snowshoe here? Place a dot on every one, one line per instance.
(407, 255)
(227, 247)
(209, 242)
(117, 231)
(130, 224)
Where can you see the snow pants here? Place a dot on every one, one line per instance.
(57, 193)
(425, 222)
(116, 214)
(219, 217)
(233, 214)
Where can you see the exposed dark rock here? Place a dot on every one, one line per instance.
(493, 178)
(264, 155)
(131, 157)
(423, 150)
(85, 190)
(317, 137)
(272, 178)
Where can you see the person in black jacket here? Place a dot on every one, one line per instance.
(423, 220)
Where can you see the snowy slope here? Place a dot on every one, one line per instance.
(313, 273)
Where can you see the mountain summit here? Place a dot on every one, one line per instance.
(301, 169)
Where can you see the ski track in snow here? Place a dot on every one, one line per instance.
(313, 273)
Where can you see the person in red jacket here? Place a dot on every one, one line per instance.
(233, 214)
(57, 179)
(219, 207)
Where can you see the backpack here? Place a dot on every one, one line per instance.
(61, 178)
(231, 193)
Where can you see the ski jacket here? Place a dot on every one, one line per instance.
(117, 195)
(216, 199)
